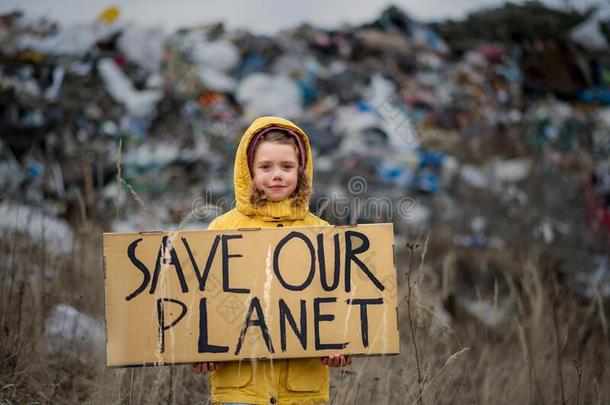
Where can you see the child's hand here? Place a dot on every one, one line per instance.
(203, 368)
(337, 360)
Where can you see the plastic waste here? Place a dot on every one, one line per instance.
(264, 94)
(426, 177)
(70, 332)
(595, 95)
(215, 61)
(511, 171)
(597, 280)
(429, 39)
(221, 54)
(589, 35)
(487, 312)
(251, 63)
(139, 103)
(216, 80)
(148, 156)
(11, 172)
(109, 15)
(394, 173)
(143, 46)
(73, 40)
(52, 92)
(391, 115)
(474, 177)
(41, 227)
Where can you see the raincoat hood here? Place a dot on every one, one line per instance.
(273, 210)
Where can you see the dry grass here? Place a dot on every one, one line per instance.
(547, 346)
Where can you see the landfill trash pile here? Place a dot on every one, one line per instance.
(113, 117)
(489, 137)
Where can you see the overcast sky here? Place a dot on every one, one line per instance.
(259, 16)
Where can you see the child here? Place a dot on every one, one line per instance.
(273, 179)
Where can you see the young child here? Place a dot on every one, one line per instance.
(273, 180)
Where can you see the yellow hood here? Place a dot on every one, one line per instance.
(272, 211)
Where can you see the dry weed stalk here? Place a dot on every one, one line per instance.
(420, 383)
(558, 357)
(578, 368)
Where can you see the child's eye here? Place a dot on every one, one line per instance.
(288, 166)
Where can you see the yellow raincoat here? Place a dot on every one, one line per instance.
(294, 381)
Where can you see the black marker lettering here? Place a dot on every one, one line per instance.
(131, 253)
(317, 318)
(322, 263)
(225, 265)
(364, 319)
(350, 255)
(286, 314)
(260, 322)
(161, 319)
(276, 261)
(208, 264)
(174, 261)
(202, 345)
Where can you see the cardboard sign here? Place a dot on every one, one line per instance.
(252, 293)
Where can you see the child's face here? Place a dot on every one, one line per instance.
(275, 170)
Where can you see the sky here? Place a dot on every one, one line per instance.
(259, 16)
